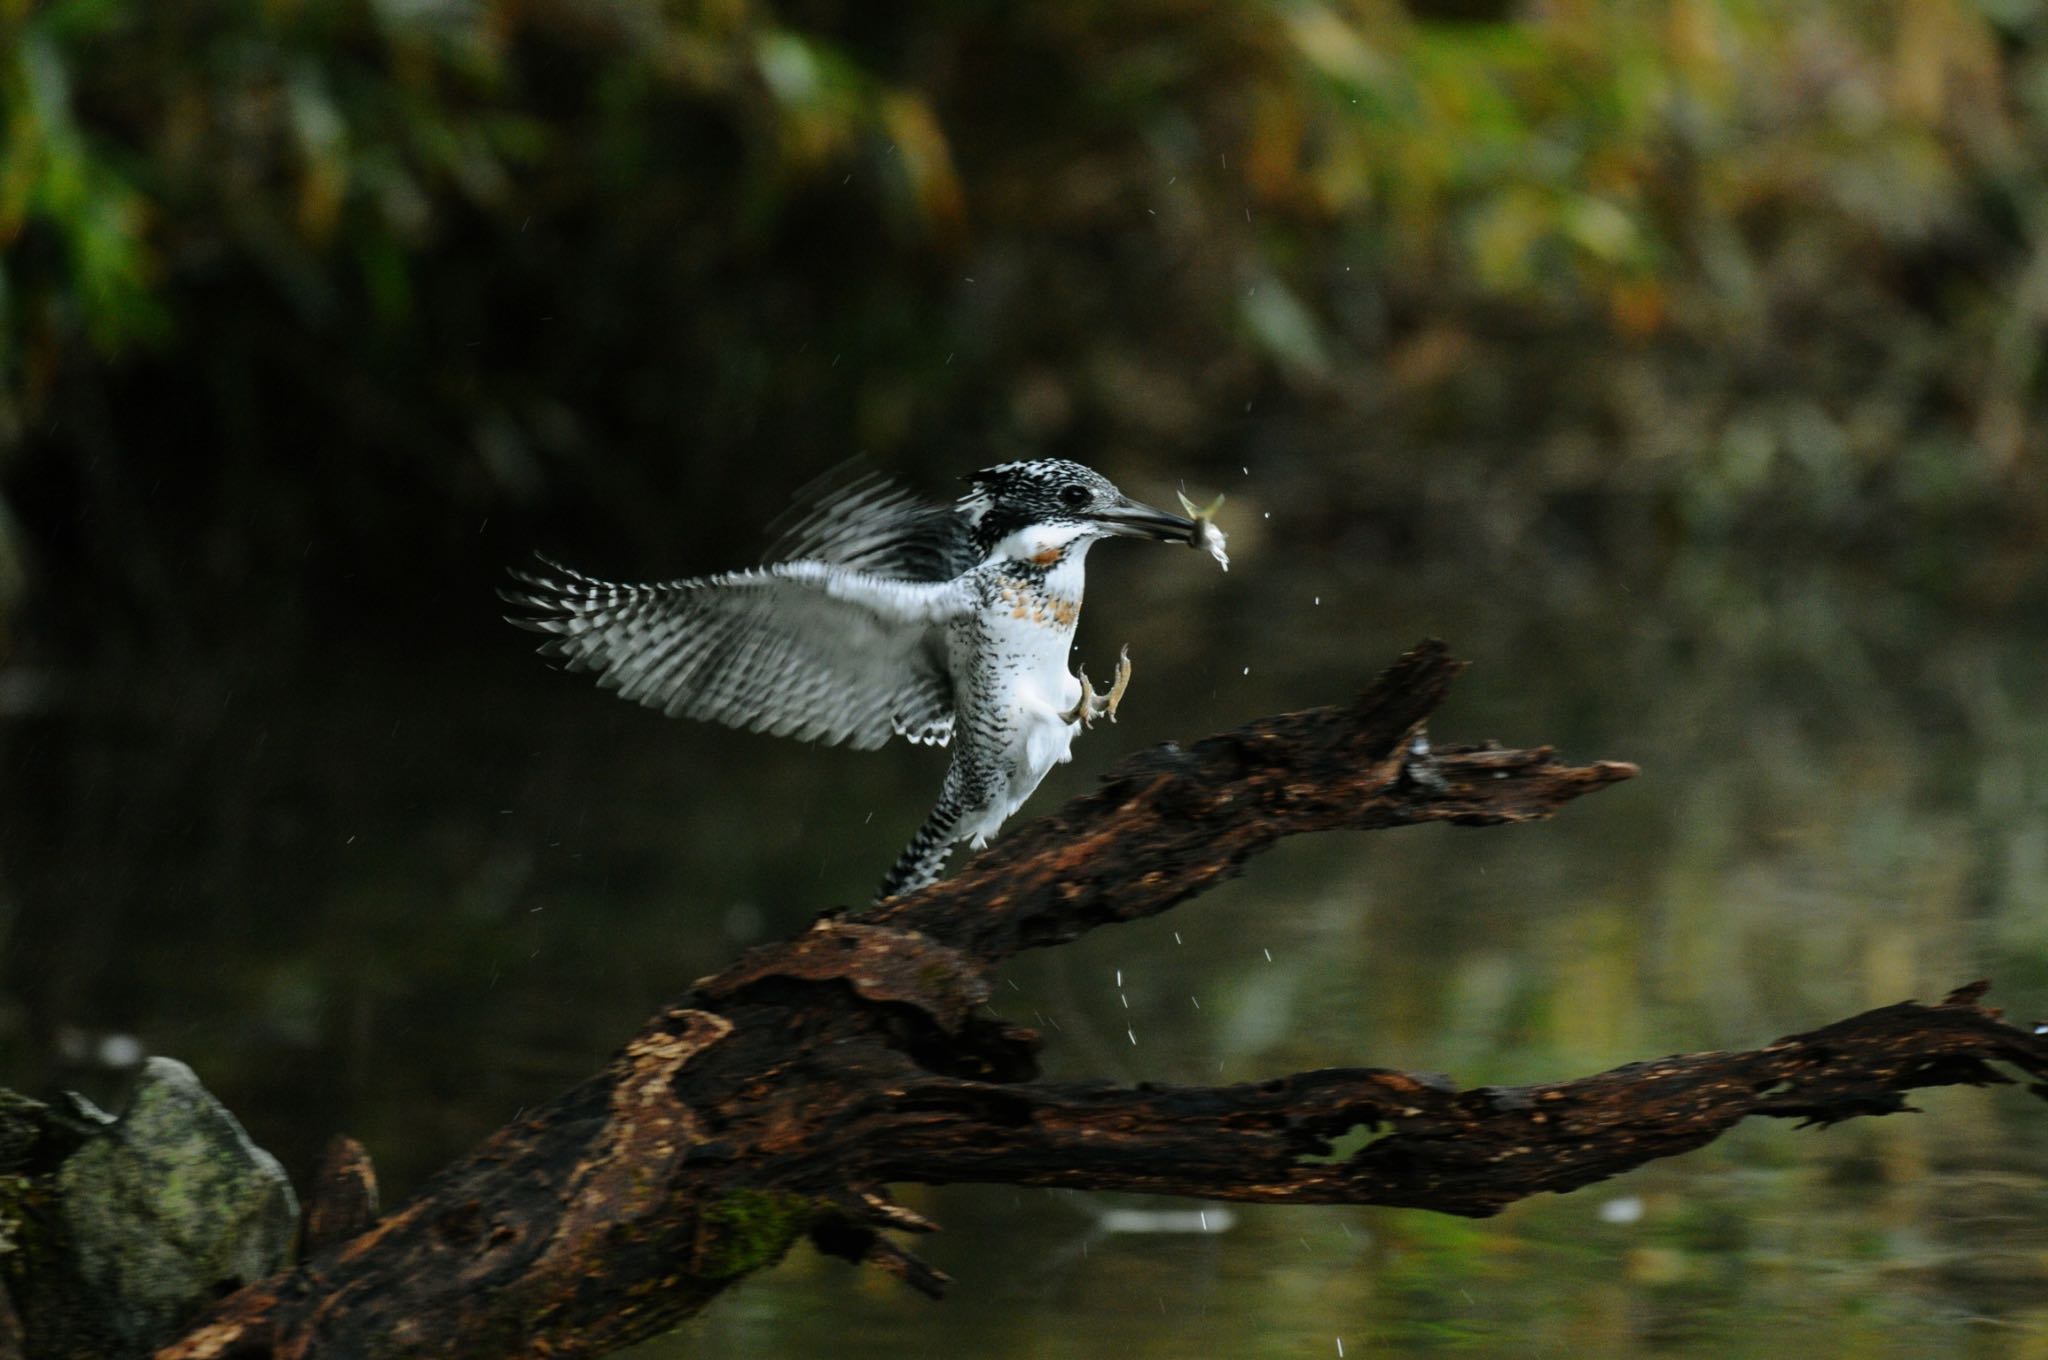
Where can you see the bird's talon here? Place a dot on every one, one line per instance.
(1091, 705)
(1095, 703)
(1122, 681)
(1079, 712)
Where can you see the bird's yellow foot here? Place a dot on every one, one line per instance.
(1122, 681)
(1101, 704)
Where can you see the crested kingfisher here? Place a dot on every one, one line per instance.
(883, 614)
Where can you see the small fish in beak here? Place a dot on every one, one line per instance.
(1205, 535)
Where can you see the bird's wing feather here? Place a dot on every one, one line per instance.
(810, 649)
(856, 517)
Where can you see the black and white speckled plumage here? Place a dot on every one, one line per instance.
(879, 614)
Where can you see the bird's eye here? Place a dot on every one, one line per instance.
(1073, 495)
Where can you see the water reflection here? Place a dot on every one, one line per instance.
(361, 889)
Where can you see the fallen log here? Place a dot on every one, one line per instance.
(773, 1101)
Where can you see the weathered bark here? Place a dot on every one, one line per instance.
(1468, 1152)
(341, 1202)
(772, 1101)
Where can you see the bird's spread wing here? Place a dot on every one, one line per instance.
(856, 517)
(841, 646)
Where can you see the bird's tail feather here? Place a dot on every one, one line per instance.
(924, 859)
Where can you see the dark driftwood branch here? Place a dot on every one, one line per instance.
(772, 1102)
(1172, 823)
(1458, 1151)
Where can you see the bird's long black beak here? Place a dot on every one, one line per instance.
(1134, 519)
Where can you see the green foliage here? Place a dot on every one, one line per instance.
(307, 266)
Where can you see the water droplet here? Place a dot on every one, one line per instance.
(1623, 1209)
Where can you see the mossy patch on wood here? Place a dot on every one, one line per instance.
(749, 1229)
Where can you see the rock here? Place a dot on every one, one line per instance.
(172, 1206)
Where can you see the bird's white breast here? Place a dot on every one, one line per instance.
(1030, 638)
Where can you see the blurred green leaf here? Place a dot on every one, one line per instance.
(718, 229)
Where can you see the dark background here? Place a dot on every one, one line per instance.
(299, 295)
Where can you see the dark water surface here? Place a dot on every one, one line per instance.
(400, 888)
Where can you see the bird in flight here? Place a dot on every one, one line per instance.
(884, 614)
